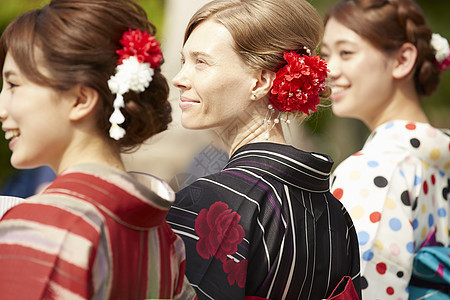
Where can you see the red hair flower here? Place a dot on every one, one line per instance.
(142, 45)
(298, 84)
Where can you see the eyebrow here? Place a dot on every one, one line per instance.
(8, 74)
(340, 42)
(197, 54)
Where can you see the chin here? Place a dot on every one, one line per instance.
(338, 112)
(193, 124)
(189, 125)
(21, 164)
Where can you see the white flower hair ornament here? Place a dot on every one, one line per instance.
(442, 51)
(140, 56)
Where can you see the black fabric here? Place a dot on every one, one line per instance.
(299, 240)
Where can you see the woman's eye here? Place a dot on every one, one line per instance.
(346, 53)
(11, 85)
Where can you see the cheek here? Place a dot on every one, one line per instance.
(225, 94)
(370, 78)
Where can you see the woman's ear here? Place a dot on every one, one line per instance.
(405, 61)
(263, 84)
(86, 99)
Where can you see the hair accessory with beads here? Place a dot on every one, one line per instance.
(139, 57)
(442, 51)
(298, 84)
(296, 87)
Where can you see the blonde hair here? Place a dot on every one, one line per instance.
(264, 29)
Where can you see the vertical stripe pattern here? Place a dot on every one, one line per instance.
(295, 233)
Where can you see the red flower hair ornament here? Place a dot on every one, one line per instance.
(298, 84)
(139, 57)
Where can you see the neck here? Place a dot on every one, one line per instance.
(91, 149)
(405, 105)
(252, 130)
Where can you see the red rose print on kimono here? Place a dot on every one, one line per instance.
(219, 231)
(237, 272)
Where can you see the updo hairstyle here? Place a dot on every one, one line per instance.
(264, 29)
(75, 41)
(387, 25)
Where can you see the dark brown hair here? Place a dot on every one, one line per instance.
(387, 25)
(76, 42)
(264, 29)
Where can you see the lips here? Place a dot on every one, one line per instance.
(186, 102)
(338, 91)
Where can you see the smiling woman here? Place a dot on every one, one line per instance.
(82, 84)
(24, 182)
(266, 225)
(384, 59)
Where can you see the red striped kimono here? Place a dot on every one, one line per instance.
(94, 233)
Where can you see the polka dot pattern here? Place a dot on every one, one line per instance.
(390, 291)
(396, 189)
(415, 143)
(338, 193)
(381, 268)
(375, 217)
(405, 198)
(380, 181)
(395, 224)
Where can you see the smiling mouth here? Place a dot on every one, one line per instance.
(10, 134)
(338, 89)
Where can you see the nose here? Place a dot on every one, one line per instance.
(3, 111)
(181, 80)
(333, 66)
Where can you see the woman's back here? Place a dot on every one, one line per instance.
(268, 223)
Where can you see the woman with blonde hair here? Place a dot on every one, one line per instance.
(266, 225)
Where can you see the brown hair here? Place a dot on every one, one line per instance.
(387, 25)
(264, 29)
(76, 42)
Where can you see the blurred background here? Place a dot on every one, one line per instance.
(171, 153)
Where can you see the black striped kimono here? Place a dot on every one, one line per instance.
(266, 226)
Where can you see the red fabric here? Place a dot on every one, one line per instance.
(344, 290)
(80, 226)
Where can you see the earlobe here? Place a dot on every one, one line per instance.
(263, 84)
(405, 61)
(85, 102)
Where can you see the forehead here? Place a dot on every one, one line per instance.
(335, 32)
(10, 66)
(210, 37)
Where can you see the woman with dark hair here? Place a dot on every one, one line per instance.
(82, 83)
(383, 59)
(266, 226)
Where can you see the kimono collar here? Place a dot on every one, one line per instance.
(306, 170)
(118, 194)
(421, 140)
